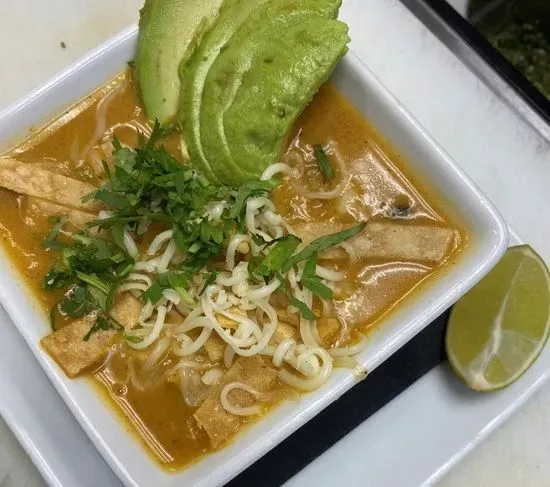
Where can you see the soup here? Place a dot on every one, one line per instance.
(191, 337)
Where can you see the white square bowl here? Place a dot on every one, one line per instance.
(458, 196)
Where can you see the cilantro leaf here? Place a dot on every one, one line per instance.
(101, 323)
(281, 252)
(53, 314)
(50, 240)
(132, 338)
(321, 244)
(93, 281)
(303, 308)
(323, 162)
(313, 282)
(153, 294)
(58, 277)
(112, 199)
(77, 302)
(248, 190)
(259, 240)
(210, 279)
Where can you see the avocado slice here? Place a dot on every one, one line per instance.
(194, 70)
(166, 31)
(226, 74)
(286, 73)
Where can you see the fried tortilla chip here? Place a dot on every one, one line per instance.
(76, 355)
(31, 180)
(127, 310)
(46, 208)
(284, 331)
(221, 426)
(386, 240)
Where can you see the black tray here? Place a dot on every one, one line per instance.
(400, 371)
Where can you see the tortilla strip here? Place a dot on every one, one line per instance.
(219, 425)
(77, 217)
(74, 355)
(127, 310)
(328, 330)
(364, 303)
(386, 240)
(36, 181)
(283, 332)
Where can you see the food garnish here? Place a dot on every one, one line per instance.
(497, 331)
(198, 222)
(321, 158)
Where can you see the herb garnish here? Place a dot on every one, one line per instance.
(91, 268)
(322, 244)
(322, 161)
(57, 225)
(312, 281)
(148, 185)
(302, 307)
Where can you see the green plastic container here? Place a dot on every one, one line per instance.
(520, 30)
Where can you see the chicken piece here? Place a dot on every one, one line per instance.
(31, 180)
(78, 218)
(76, 355)
(221, 426)
(215, 348)
(386, 240)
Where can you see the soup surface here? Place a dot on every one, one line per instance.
(182, 402)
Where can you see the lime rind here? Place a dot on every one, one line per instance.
(510, 351)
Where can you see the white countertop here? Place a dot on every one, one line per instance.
(31, 32)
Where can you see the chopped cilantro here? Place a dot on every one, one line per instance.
(153, 294)
(77, 302)
(248, 190)
(303, 308)
(50, 241)
(322, 161)
(101, 323)
(312, 281)
(210, 279)
(146, 185)
(322, 244)
(132, 338)
(279, 254)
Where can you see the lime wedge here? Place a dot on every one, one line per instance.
(500, 327)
